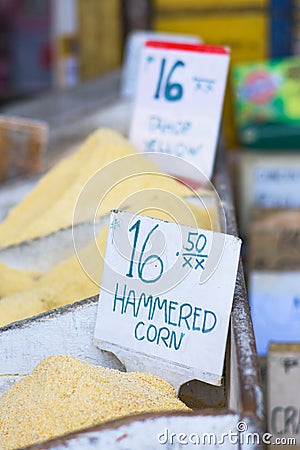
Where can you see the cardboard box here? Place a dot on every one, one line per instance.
(275, 307)
(22, 145)
(284, 394)
(267, 180)
(274, 240)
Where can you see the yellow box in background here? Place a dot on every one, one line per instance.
(215, 4)
(100, 39)
(240, 24)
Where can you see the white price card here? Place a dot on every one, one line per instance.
(179, 101)
(166, 296)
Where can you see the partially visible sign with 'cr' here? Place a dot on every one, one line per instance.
(166, 296)
(179, 102)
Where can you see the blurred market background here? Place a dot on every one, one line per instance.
(50, 44)
(53, 46)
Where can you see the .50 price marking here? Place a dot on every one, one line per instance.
(196, 245)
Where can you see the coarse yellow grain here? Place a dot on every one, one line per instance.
(27, 294)
(14, 280)
(64, 394)
(65, 283)
(140, 187)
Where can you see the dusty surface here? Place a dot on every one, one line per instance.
(64, 394)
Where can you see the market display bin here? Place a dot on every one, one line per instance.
(230, 416)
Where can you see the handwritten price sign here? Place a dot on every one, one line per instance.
(166, 296)
(179, 103)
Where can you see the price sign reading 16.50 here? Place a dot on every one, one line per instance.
(179, 102)
(154, 314)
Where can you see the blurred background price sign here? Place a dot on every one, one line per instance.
(166, 296)
(179, 101)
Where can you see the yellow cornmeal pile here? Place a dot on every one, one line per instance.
(50, 206)
(13, 280)
(64, 394)
(64, 284)
(24, 295)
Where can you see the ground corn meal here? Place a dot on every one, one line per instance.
(64, 284)
(64, 394)
(50, 207)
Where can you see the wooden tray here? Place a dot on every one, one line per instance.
(70, 330)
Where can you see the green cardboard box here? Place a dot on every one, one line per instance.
(267, 103)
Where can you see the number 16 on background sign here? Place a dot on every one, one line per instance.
(179, 103)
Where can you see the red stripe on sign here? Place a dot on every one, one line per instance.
(199, 48)
(192, 184)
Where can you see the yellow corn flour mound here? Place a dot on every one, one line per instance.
(65, 283)
(64, 394)
(14, 280)
(25, 294)
(50, 206)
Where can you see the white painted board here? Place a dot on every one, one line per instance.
(166, 432)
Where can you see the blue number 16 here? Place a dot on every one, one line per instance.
(172, 91)
(142, 262)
